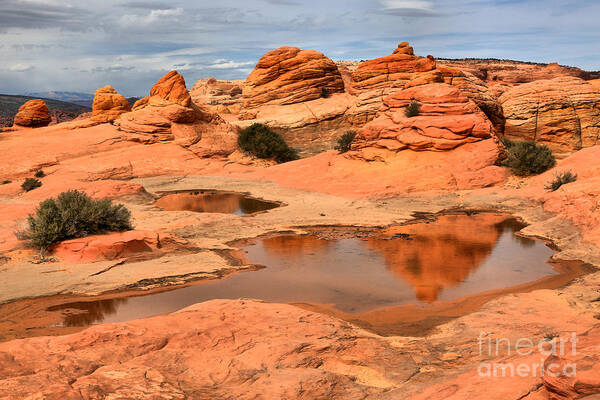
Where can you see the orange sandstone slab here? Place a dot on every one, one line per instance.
(111, 246)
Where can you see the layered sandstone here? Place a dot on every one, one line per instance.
(168, 114)
(476, 89)
(313, 124)
(171, 87)
(447, 120)
(32, 114)
(513, 72)
(108, 105)
(290, 75)
(223, 97)
(395, 69)
(561, 113)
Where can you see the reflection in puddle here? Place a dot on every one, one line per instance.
(88, 313)
(455, 256)
(211, 202)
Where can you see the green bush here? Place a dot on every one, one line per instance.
(40, 174)
(413, 109)
(527, 158)
(325, 93)
(6, 182)
(260, 141)
(344, 143)
(73, 214)
(31, 183)
(561, 179)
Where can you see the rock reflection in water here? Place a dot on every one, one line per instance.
(87, 313)
(455, 256)
(210, 202)
(442, 255)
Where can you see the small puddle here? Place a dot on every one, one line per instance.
(213, 202)
(419, 266)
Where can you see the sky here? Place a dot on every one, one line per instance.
(81, 45)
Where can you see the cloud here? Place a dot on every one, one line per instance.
(112, 68)
(129, 44)
(147, 5)
(283, 2)
(224, 64)
(153, 17)
(409, 8)
(39, 14)
(21, 68)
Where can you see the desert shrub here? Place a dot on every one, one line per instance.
(344, 143)
(412, 110)
(40, 174)
(6, 182)
(325, 93)
(73, 214)
(260, 141)
(527, 158)
(31, 183)
(561, 179)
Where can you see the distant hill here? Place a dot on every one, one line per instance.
(59, 110)
(83, 99)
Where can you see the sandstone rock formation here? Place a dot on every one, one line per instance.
(574, 373)
(168, 114)
(222, 97)
(312, 126)
(113, 246)
(447, 119)
(513, 72)
(108, 105)
(312, 123)
(561, 113)
(469, 166)
(290, 75)
(395, 70)
(32, 114)
(171, 87)
(476, 89)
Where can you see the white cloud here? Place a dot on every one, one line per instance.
(411, 4)
(224, 64)
(21, 68)
(153, 17)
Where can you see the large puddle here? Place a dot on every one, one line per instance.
(213, 202)
(421, 265)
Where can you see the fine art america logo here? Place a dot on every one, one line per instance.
(551, 345)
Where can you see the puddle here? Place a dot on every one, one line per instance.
(420, 265)
(213, 202)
